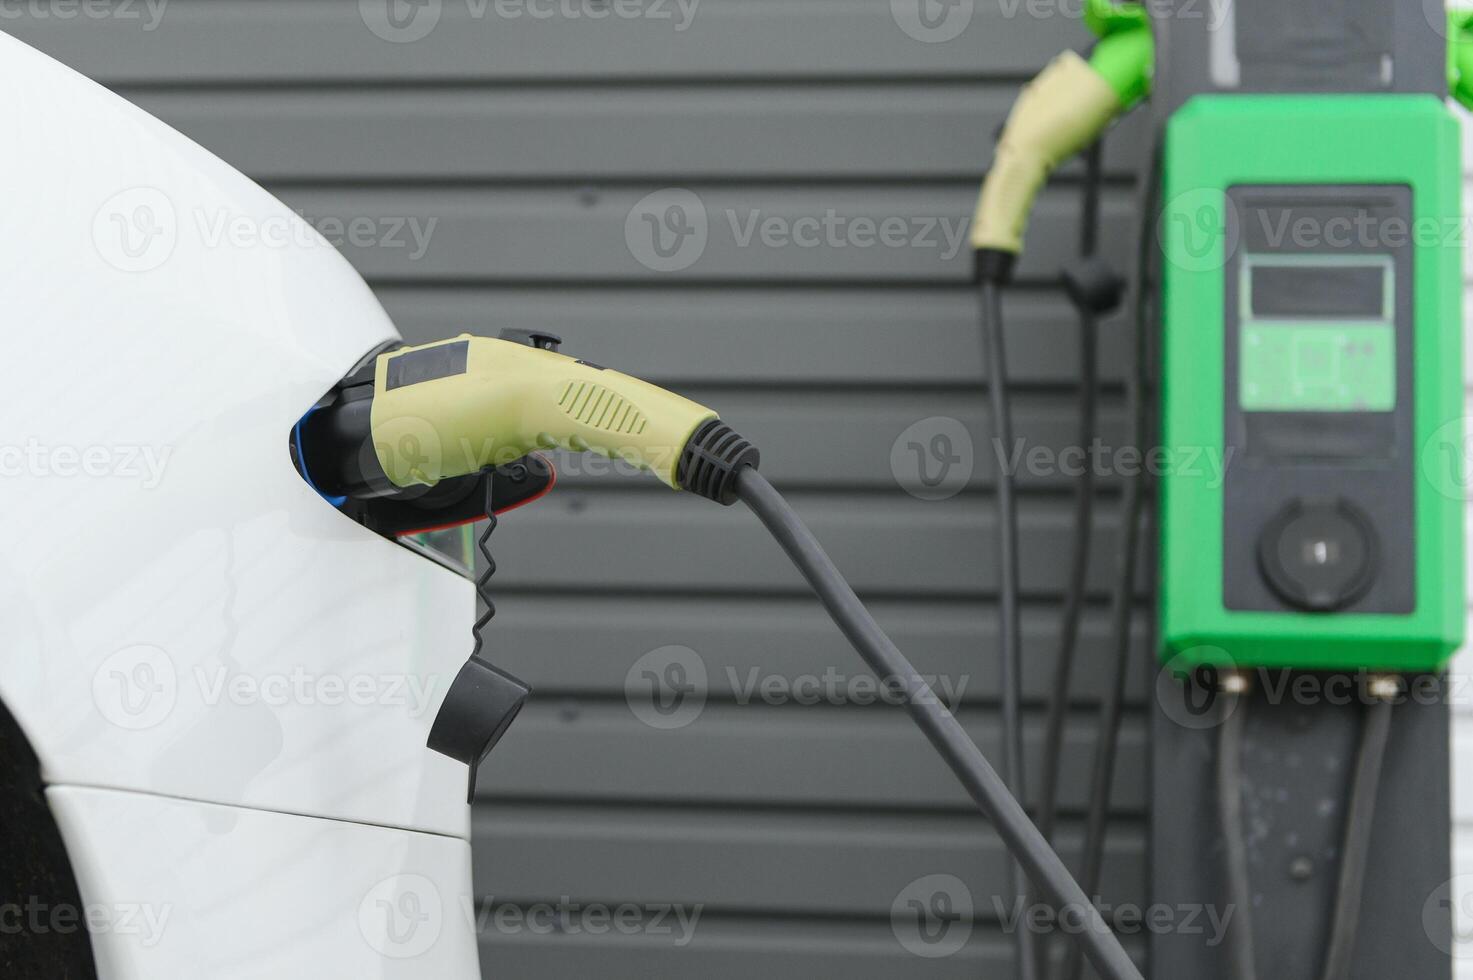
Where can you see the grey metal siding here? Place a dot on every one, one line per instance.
(793, 828)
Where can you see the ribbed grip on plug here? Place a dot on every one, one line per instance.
(711, 459)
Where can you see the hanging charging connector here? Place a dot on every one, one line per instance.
(1063, 110)
(1058, 114)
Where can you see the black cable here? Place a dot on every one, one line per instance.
(1094, 175)
(1083, 529)
(1122, 593)
(1011, 655)
(483, 575)
(940, 727)
(1355, 852)
(1112, 709)
(1241, 964)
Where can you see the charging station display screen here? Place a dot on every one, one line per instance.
(1317, 334)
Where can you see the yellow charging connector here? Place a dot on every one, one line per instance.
(455, 407)
(1058, 114)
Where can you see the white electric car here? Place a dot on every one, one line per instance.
(216, 688)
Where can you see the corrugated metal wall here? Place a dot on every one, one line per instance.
(531, 133)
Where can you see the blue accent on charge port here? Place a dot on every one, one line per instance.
(302, 460)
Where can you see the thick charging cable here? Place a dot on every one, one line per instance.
(1235, 694)
(1046, 870)
(1084, 494)
(1059, 113)
(1122, 593)
(1010, 655)
(1382, 691)
(1095, 291)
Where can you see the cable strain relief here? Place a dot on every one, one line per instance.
(993, 265)
(711, 460)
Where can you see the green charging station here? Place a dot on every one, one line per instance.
(1297, 328)
(1311, 339)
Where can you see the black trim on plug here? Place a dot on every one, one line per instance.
(712, 458)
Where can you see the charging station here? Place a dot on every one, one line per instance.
(1313, 344)
(1311, 332)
